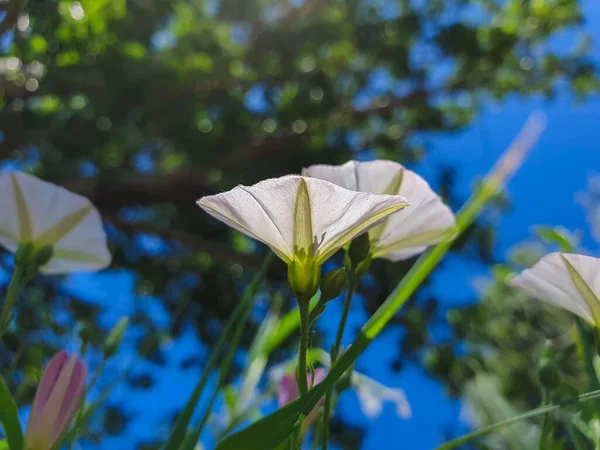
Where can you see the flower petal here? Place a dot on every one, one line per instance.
(549, 280)
(269, 212)
(406, 233)
(372, 395)
(339, 215)
(45, 214)
(264, 211)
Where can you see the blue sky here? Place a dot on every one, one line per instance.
(541, 193)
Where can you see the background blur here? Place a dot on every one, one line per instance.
(146, 105)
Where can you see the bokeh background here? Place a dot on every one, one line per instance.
(144, 106)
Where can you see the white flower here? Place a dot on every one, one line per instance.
(301, 218)
(372, 395)
(565, 280)
(404, 234)
(34, 211)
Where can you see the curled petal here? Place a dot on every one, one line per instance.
(569, 281)
(58, 398)
(405, 233)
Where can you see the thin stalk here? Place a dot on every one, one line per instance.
(589, 358)
(304, 337)
(17, 283)
(237, 318)
(303, 307)
(576, 438)
(545, 428)
(334, 354)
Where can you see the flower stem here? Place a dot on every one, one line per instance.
(304, 336)
(17, 283)
(545, 428)
(588, 355)
(335, 350)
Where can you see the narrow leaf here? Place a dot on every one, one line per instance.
(9, 416)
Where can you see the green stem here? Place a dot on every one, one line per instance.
(589, 358)
(17, 283)
(238, 317)
(334, 354)
(304, 336)
(545, 422)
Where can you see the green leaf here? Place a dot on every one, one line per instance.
(269, 432)
(9, 415)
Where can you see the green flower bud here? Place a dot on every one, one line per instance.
(359, 250)
(115, 337)
(333, 284)
(304, 278)
(549, 376)
(547, 370)
(42, 256)
(23, 254)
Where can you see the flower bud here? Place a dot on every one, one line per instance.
(43, 256)
(57, 399)
(287, 391)
(333, 284)
(547, 371)
(304, 278)
(115, 337)
(359, 250)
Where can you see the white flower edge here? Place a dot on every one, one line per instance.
(405, 233)
(566, 280)
(42, 213)
(300, 216)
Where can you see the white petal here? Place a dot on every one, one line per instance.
(549, 280)
(406, 233)
(411, 231)
(339, 215)
(369, 403)
(266, 212)
(54, 216)
(372, 395)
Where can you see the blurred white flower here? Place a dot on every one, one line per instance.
(406, 233)
(301, 218)
(566, 280)
(372, 395)
(43, 214)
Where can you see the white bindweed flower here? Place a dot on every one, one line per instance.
(404, 234)
(372, 395)
(303, 220)
(36, 212)
(565, 280)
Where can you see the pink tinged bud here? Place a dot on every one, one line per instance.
(287, 392)
(58, 398)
